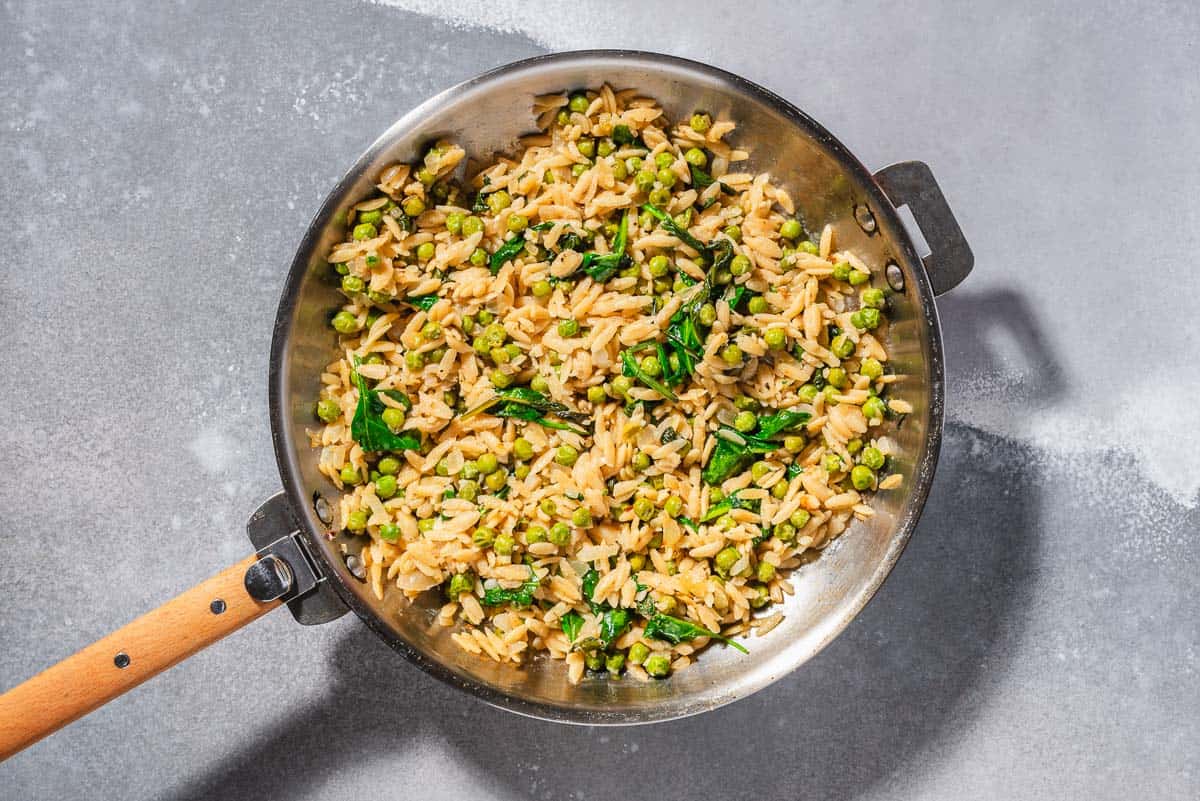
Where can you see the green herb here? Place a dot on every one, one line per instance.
(689, 522)
(521, 596)
(676, 630)
(603, 267)
(523, 403)
(590, 579)
(735, 450)
(367, 426)
(613, 624)
(670, 224)
(702, 180)
(506, 252)
(572, 624)
(422, 302)
(780, 421)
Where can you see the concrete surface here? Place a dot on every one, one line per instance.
(158, 163)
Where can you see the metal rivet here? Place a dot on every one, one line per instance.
(895, 277)
(122, 660)
(355, 566)
(866, 220)
(321, 507)
(217, 606)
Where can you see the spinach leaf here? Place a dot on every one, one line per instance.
(679, 233)
(783, 420)
(623, 135)
(734, 501)
(632, 369)
(676, 630)
(506, 252)
(603, 267)
(572, 624)
(523, 403)
(521, 596)
(400, 398)
(646, 607)
(367, 426)
(689, 522)
(405, 222)
(590, 580)
(794, 469)
(422, 302)
(613, 624)
(700, 179)
(726, 460)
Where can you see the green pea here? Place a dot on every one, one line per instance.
(542, 289)
(442, 468)
(413, 206)
(871, 368)
(522, 448)
(431, 330)
(472, 225)
(745, 421)
(578, 103)
(344, 322)
(539, 384)
(660, 196)
(513, 351)
(800, 518)
(715, 495)
(842, 346)
(830, 392)
(757, 305)
(521, 471)
(517, 223)
(638, 653)
(385, 487)
(641, 461)
(854, 446)
(374, 358)
(328, 410)
(837, 377)
(596, 394)
(568, 328)
(594, 660)
(862, 477)
(872, 457)
(498, 201)
(734, 232)
(566, 455)
(858, 277)
(732, 355)
(621, 386)
(793, 443)
(503, 545)
(389, 532)
(468, 490)
(776, 338)
(759, 469)
(700, 122)
(659, 266)
(708, 314)
(578, 169)
(586, 146)
(496, 481)
(651, 366)
(483, 536)
(349, 475)
(779, 490)
(841, 271)
(725, 559)
(372, 318)
(643, 508)
(352, 285)
(454, 222)
(637, 562)
(425, 176)
(460, 583)
(425, 251)
(872, 298)
(415, 360)
(807, 393)
(614, 663)
(785, 532)
(562, 118)
(666, 177)
(364, 231)
(581, 518)
(479, 257)
(790, 229)
(740, 265)
(560, 534)
(695, 156)
(357, 520)
(643, 180)
(808, 247)
(426, 524)
(865, 319)
(535, 534)
(605, 147)
(762, 596)
(389, 465)
(620, 171)
(646, 221)
(832, 463)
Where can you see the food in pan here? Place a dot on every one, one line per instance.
(606, 394)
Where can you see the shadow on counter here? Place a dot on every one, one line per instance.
(898, 684)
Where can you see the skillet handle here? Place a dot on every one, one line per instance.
(149, 645)
(911, 183)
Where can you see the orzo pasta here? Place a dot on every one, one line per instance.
(603, 395)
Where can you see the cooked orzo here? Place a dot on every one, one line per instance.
(604, 395)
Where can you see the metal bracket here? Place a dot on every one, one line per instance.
(286, 570)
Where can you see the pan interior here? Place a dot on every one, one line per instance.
(487, 115)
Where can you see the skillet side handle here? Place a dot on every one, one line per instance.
(129, 656)
(911, 183)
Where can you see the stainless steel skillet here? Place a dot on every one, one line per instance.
(303, 561)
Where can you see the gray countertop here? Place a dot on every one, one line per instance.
(1039, 638)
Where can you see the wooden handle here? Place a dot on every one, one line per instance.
(124, 659)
